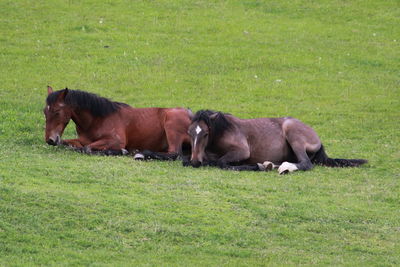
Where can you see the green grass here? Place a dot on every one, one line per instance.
(333, 64)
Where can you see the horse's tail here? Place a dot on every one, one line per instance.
(321, 158)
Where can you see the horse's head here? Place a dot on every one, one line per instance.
(57, 115)
(199, 135)
(205, 130)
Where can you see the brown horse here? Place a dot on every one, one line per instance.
(113, 127)
(257, 144)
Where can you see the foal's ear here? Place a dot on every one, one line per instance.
(62, 95)
(214, 116)
(49, 90)
(219, 123)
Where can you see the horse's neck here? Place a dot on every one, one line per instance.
(82, 119)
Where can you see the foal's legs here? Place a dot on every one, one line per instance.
(106, 146)
(100, 147)
(250, 167)
(303, 164)
(236, 154)
(174, 140)
(302, 139)
(147, 154)
(72, 142)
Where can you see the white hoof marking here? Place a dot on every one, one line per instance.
(287, 167)
(261, 167)
(266, 166)
(269, 165)
(138, 156)
(124, 151)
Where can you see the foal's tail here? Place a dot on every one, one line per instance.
(321, 158)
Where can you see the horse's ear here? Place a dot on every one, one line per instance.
(190, 113)
(214, 116)
(219, 123)
(62, 95)
(49, 90)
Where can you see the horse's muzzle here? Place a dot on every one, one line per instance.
(54, 141)
(195, 163)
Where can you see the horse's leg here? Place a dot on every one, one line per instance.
(249, 167)
(302, 139)
(210, 160)
(303, 164)
(266, 166)
(76, 143)
(185, 160)
(106, 146)
(234, 155)
(175, 127)
(147, 154)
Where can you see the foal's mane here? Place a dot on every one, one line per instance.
(215, 121)
(97, 105)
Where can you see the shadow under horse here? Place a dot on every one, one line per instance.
(113, 128)
(220, 139)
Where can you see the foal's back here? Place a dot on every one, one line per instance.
(268, 137)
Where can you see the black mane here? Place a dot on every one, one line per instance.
(215, 121)
(97, 105)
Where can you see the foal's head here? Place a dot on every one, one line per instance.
(57, 115)
(206, 127)
(63, 104)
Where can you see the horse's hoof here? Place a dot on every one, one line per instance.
(268, 165)
(287, 167)
(87, 150)
(124, 151)
(138, 156)
(261, 167)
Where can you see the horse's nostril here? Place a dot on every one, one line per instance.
(54, 141)
(196, 164)
(51, 142)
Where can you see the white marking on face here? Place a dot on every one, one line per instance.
(198, 129)
(48, 107)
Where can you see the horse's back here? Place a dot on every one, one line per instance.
(268, 137)
(299, 133)
(148, 128)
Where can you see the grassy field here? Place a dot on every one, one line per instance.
(333, 64)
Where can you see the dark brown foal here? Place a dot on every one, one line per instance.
(257, 144)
